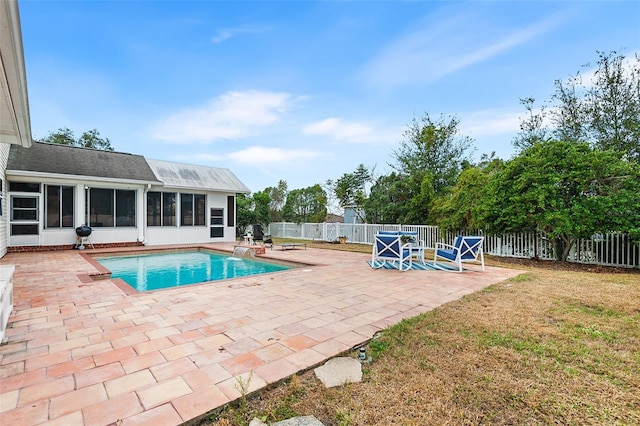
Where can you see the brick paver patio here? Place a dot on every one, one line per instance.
(80, 351)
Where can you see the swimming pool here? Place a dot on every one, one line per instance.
(145, 272)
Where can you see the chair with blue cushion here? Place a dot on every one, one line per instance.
(389, 248)
(388, 233)
(464, 249)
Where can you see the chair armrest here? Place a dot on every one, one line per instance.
(443, 245)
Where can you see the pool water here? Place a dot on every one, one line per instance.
(166, 270)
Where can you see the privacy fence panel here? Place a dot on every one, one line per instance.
(615, 249)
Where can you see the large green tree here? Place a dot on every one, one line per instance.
(569, 190)
(90, 139)
(389, 199)
(613, 105)
(306, 205)
(430, 158)
(602, 108)
(459, 209)
(433, 147)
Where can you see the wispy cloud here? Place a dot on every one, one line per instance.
(227, 33)
(445, 47)
(200, 158)
(232, 115)
(256, 155)
(338, 130)
(491, 122)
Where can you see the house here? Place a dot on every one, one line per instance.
(15, 124)
(353, 215)
(48, 190)
(125, 199)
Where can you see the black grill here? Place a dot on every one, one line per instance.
(83, 231)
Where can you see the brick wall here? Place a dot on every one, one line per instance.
(25, 249)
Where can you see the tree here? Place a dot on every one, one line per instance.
(350, 190)
(421, 189)
(613, 105)
(430, 158)
(459, 210)
(532, 129)
(252, 209)
(261, 202)
(389, 199)
(602, 109)
(63, 136)
(433, 147)
(278, 196)
(306, 205)
(569, 190)
(90, 139)
(245, 212)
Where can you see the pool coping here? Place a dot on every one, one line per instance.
(103, 273)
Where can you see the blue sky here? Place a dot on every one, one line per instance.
(301, 90)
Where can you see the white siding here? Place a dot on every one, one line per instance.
(4, 155)
(159, 235)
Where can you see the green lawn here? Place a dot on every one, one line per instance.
(552, 346)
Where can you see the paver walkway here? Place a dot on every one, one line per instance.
(85, 352)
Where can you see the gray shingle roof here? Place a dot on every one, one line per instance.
(67, 160)
(179, 175)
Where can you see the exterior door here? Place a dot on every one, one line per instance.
(24, 226)
(217, 223)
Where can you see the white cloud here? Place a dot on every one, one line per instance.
(256, 155)
(342, 131)
(203, 158)
(339, 130)
(227, 33)
(233, 115)
(445, 47)
(490, 122)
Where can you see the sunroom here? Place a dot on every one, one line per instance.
(53, 189)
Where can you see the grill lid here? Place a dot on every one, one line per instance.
(83, 231)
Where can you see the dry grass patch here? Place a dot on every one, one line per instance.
(547, 347)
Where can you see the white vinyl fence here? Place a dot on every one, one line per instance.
(616, 249)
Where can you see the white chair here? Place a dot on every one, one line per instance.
(464, 249)
(389, 248)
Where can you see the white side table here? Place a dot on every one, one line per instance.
(417, 253)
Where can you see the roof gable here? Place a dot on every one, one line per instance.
(68, 160)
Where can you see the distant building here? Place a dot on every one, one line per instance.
(351, 216)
